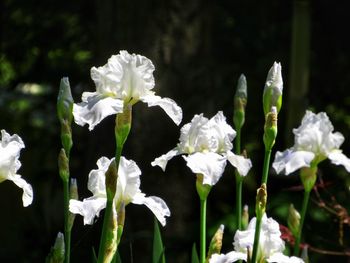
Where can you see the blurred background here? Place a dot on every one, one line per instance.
(199, 49)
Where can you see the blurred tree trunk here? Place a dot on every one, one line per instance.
(299, 67)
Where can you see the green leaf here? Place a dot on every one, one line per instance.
(94, 257)
(158, 248)
(117, 258)
(194, 258)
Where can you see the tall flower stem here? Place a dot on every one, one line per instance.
(122, 129)
(302, 218)
(239, 182)
(259, 217)
(67, 228)
(203, 227)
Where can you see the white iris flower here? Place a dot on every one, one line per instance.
(207, 144)
(314, 141)
(270, 248)
(10, 147)
(128, 191)
(124, 80)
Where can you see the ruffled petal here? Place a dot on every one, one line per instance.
(211, 165)
(168, 105)
(94, 108)
(232, 256)
(155, 204)
(27, 196)
(242, 164)
(338, 158)
(280, 258)
(290, 161)
(88, 208)
(162, 161)
(96, 182)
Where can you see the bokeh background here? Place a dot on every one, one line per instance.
(199, 49)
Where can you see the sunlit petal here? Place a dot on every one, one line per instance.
(89, 208)
(338, 158)
(290, 161)
(242, 164)
(162, 161)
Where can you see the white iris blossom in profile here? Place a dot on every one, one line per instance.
(10, 147)
(270, 247)
(207, 145)
(124, 80)
(314, 141)
(127, 191)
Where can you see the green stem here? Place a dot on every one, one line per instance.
(202, 240)
(256, 239)
(266, 166)
(67, 230)
(239, 183)
(238, 141)
(302, 218)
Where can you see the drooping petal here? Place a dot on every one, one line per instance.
(27, 196)
(96, 182)
(168, 105)
(94, 108)
(338, 158)
(88, 208)
(232, 256)
(155, 204)
(211, 165)
(162, 161)
(280, 258)
(290, 160)
(242, 164)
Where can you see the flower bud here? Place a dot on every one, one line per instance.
(245, 217)
(111, 180)
(293, 220)
(73, 194)
(65, 101)
(202, 189)
(63, 165)
(273, 89)
(308, 177)
(261, 200)
(270, 129)
(216, 242)
(56, 254)
(240, 102)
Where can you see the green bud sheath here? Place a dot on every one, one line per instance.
(245, 217)
(56, 254)
(272, 96)
(111, 180)
(73, 194)
(123, 125)
(308, 177)
(202, 189)
(216, 242)
(240, 102)
(63, 165)
(270, 129)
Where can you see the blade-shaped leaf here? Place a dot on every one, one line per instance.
(158, 248)
(194, 257)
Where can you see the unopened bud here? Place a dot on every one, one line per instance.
(56, 254)
(293, 220)
(203, 190)
(273, 89)
(240, 102)
(73, 194)
(111, 180)
(216, 242)
(63, 165)
(65, 101)
(270, 129)
(261, 200)
(308, 177)
(245, 217)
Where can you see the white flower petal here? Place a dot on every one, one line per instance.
(94, 108)
(232, 256)
(211, 165)
(163, 160)
(338, 158)
(290, 160)
(280, 258)
(221, 133)
(155, 204)
(168, 105)
(96, 182)
(27, 196)
(88, 208)
(242, 164)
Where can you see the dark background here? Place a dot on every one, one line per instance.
(199, 49)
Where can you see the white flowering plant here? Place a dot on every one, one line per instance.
(205, 144)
